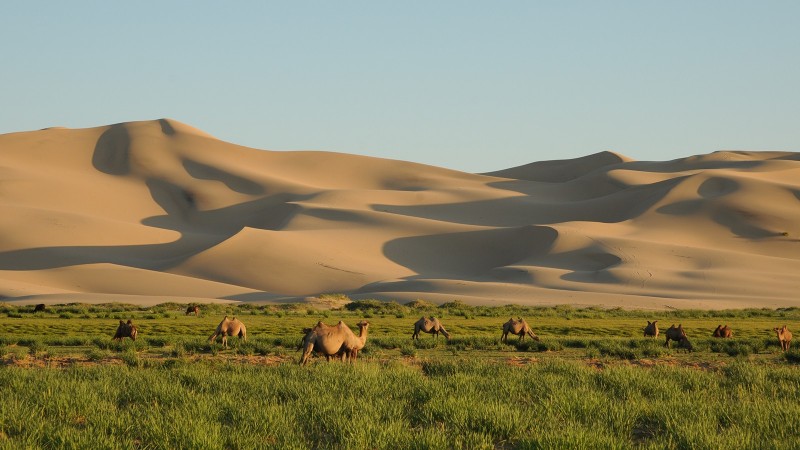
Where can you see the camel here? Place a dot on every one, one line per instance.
(723, 332)
(39, 308)
(651, 329)
(126, 330)
(334, 341)
(784, 336)
(429, 325)
(518, 327)
(229, 327)
(359, 343)
(193, 309)
(677, 334)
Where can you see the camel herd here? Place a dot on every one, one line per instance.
(679, 335)
(339, 342)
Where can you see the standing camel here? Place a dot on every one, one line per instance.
(429, 325)
(334, 341)
(229, 327)
(677, 334)
(651, 329)
(518, 327)
(784, 336)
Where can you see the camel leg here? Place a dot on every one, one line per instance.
(307, 354)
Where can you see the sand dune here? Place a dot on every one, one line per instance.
(159, 211)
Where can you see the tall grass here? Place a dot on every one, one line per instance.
(453, 404)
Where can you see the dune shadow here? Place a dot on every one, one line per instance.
(471, 254)
(717, 187)
(233, 182)
(166, 127)
(535, 209)
(112, 151)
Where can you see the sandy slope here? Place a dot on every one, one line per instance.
(159, 211)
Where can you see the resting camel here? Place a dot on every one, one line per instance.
(229, 327)
(429, 325)
(651, 329)
(39, 308)
(193, 309)
(518, 327)
(784, 336)
(334, 341)
(125, 330)
(723, 332)
(677, 334)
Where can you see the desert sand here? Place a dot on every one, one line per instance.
(156, 211)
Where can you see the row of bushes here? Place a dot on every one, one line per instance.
(368, 308)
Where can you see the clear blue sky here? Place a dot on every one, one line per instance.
(473, 86)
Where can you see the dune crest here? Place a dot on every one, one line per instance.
(157, 211)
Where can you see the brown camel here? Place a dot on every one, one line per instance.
(677, 334)
(784, 336)
(429, 325)
(334, 341)
(518, 327)
(723, 332)
(39, 308)
(651, 329)
(126, 330)
(193, 309)
(229, 327)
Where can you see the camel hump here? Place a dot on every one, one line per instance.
(121, 322)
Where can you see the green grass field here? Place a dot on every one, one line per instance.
(592, 381)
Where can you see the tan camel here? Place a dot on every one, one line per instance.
(334, 341)
(518, 327)
(359, 343)
(229, 327)
(429, 325)
(784, 336)
(678, 335)
(723, 332)
(651, 329)
(126, 330)
(193, 309)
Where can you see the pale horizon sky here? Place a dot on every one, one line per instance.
(472, 86)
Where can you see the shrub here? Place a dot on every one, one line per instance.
(792, 356)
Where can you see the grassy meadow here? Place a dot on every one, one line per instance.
(592, 381)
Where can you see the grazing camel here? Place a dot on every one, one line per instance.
(193, 309)
(678, 335)
(229, 327)
(651, 329)
(39, 308)
(723, 332)
(518, 327)
(429, 325)
(126, 330)
(334, 341)
(784, 336)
